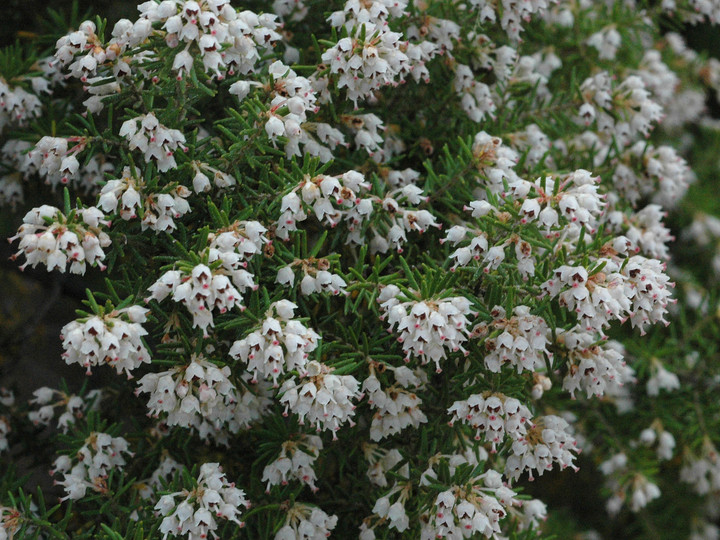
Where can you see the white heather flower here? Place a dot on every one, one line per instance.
(394, 513)
(547, 441)
(198, 395)
(644, 491)
(656, 435)
(596, 299)
(279, 346)
(316, 279)
(330, 198)
(427, 328)
(364, 66)
(78, 242)
(493, 416)
(395, 407)
(658, 173)
(303, 521)
(155, 141)
(592, 368)
(644, 230)
(380, 461)
(122, 195)
(513, 14)
(226, 40)
(75, 407)
(532, 142)
(649, 288)
(495, 165)
(476, 98)
(17, 106)
(200, 290)
(295, 462)
(114, 339)
(702, 471)
(195, 516)
(606, 41)
(661, 379)
(162, 208)
(92, 463)
(321, 398)
(463, 513)
(164, 473)
(522, 342)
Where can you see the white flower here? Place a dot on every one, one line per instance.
(493, 416)
(427, 328)
(396, 407)
(157, 142)
(198, 395)
(321, 398)
(522, 342)
(593, 368)
(280, 345)
(548, 441)
(295, 462)
(200, 290)
(306, 522)
(92, 463)
(195, 516)
(114, 339)
(77, 242)
(661, 378)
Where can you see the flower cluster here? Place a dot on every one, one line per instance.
(200, 289)
(295, 462)
(199, 395)
(316, 277)
(546, 442)
(396, 408)
(380, 461)
(702, 471)
(114, 339)
(321, 398)
(91, 464)
(125, 193)
(17, 105)
(638, 291)
(75, 406)
(304, 521)
(195, 516)
(343, 198)
(234, 246)
(623, 482)
(620, 111)
(161, 209)
(279, 346)
(330, 198)
(427, 328)
(461, 512)
(227, 40)
(594, 368)
(55, 159)
(493, 416)
(522, 341)
(164, 473)
(49, 237)
(373, 56)
(157, 142)
(664, 176)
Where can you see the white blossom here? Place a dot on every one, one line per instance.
(195, 516)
